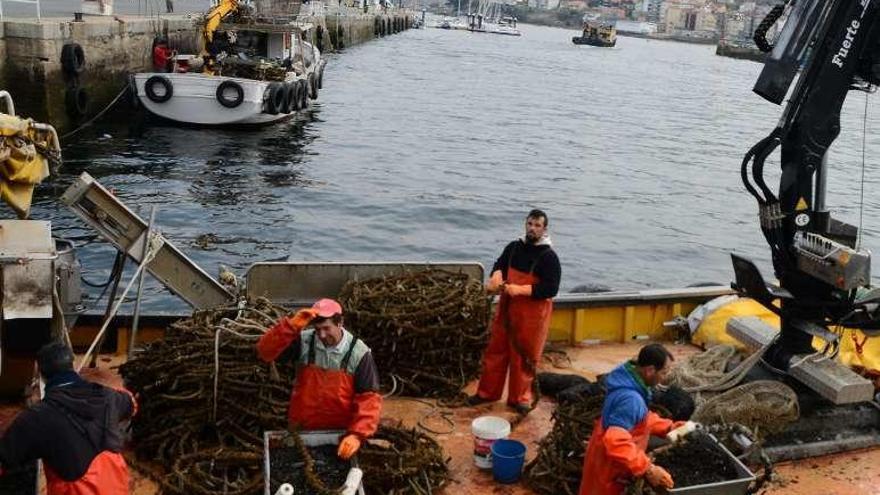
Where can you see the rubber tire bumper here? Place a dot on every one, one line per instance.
(223, 87)
(149, 88)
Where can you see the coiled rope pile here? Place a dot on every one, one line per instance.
(206, 399)
(559, 465)
(763, 407)
(426, 329)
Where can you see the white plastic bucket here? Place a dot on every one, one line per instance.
(486, 430)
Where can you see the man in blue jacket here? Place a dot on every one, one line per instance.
(616, 452)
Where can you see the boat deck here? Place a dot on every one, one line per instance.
(841, 474)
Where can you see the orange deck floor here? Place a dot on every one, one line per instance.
(854, 473)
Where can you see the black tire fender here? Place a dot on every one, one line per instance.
(76, 100)
(150, 89)
(303, 94)
(313, 86)
(73, 59)
(222, 94)
(274, 98)
(290, 98)
(321, 75)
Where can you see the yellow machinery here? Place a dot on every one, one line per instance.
(212, 22)
(27, 149)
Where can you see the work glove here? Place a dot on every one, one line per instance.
(495, 282)
(514, 290)
(658, 477)
(680, 429)
(301, 319)
(348, 446)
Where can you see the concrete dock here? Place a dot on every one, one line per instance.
(33, 53)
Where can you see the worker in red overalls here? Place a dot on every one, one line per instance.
(337, 383)
(75, 430)
(526, 276)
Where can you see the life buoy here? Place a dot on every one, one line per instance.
(313, 86)
(73, 59)
(303, 94)
(76, 100)
(274, 98)
(164, 94)
(230, 94)
(289, 98)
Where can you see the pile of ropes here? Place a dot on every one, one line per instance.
(763, 406)
(402, 461)
(558, 467)
(426, 329)
(205, 400)
(258, 69)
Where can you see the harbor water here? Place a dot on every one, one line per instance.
(431, 145)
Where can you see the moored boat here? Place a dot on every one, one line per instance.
(595, 34)
(254, 72)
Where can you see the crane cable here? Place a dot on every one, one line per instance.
(859, 234)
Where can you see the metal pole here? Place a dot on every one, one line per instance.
(137, 302)
(821, 182)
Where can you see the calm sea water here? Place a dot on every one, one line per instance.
(432, 145)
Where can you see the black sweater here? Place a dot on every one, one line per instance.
(540, 259)
(68, 428)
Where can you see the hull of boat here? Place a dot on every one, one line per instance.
(194, 101)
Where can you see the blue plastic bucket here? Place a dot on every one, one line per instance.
(508, 457)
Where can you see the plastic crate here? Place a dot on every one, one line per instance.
(310, 439)
(738, 486)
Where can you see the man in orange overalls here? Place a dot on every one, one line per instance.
(337, 383)
(527, 277)
(76, 430)
(616, 451)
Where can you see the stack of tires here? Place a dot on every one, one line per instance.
(73, 63)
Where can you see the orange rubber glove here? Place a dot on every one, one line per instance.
(349, 445)
(302, 318)
(495, 282)
(658, 477)
(514, 290)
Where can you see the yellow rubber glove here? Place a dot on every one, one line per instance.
(495, 282)
(659, 477)
(349, 445)
(302, 318)
(518, 290)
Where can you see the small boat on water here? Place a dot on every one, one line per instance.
(596, 34)
(255, 70)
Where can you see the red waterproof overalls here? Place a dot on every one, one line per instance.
(520, 325)
(616, 455)
(325, 399)
(107, 475)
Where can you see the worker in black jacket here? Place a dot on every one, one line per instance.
(526, 276)
(75, 430)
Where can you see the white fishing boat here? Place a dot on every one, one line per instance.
(251, 73)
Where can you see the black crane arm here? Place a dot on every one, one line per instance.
(835, 44)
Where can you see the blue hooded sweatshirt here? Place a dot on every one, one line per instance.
(626, 399)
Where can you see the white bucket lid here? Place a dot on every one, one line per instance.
(490, 427)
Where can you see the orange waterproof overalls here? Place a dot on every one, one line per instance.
(519, 330)
(326, 399)
(107, 475)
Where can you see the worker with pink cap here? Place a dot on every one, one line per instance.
(337, 383)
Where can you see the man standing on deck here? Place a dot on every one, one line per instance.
(75, 430)
(337, 383)
(616, 451)
(526, 276)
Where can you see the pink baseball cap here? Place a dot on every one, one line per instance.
(327, 308)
